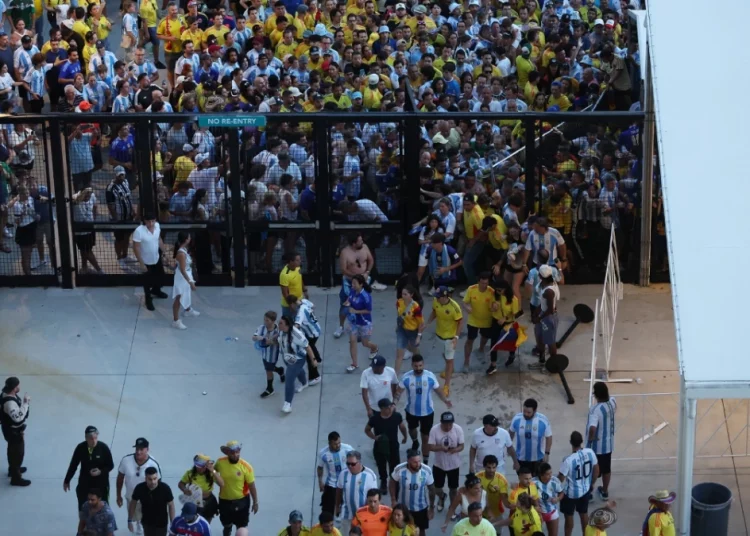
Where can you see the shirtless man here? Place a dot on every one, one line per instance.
(354, 259)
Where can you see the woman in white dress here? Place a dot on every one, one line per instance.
(184, 283)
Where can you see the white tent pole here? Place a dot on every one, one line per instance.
(685, 457)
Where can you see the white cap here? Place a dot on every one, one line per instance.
(200, 158)
(400, 6)
(545, 270)
(180, 80)
(295, 92)
(373, 79)
(598, 22)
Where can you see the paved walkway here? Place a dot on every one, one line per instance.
(99, 357)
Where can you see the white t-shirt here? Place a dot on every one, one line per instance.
(367, 211)
(496, 444)
(378, 385)
(149, 243)
(134, 473)
(451, 439)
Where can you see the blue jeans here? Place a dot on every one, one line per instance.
(295, 371)
(470, 259)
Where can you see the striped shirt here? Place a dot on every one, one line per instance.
(22, 59)
(268, 352)
(419, 392)
(121, 104)
(602, 417)
(36, 83)
(548, 491)
(146, 67)
(242, 36)
(198, 527)
(354, 490)
(108, 59)
(293, 342)
(333, 463)
(306, 319)
(530, 436)
(412, 490)
(578, 468)
(96, 95)
(550, 241)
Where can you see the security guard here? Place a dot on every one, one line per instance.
(13, 422)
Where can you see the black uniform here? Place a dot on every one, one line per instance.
(100, 458)
(13, 423)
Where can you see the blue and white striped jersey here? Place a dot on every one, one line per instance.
(96, 95)
(578, 468)
(412, 490)
(36, 82)
(146, 67)
(121, 104)
(419, 392)
(354, 490)
(548, 491)
(550, 241)
(306, 319)
(22, 60)
(268, 352)
(333, 463)
(602, 417)
(530, 436)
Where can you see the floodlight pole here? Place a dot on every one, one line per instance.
(685, 457)
(647, 179)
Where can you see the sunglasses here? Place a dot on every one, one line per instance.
(351, 464)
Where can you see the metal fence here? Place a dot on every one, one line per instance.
(91, 177)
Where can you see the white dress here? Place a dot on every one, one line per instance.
(181, 286)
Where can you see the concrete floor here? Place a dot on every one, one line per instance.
(99, 357)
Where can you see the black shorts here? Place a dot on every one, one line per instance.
(328, 500)
(440, 476)
(569, 506)
(26, 236)
(122, 235)
(421, 519)
(605, 463)
(486, 333)
(85, 242)
(423, 423)
(235, 513)
(171, 60)
(531, 466)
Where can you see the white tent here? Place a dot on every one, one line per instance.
(700, 76)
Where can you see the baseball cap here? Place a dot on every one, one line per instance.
(385, 403)
(180, 80)
(545, 270)
(420, 9)
(454, 6)
(384, 29)
(474, 3)
(187, 148)
(11, 383)
(141, 443)
(91, 429)
(378, 361)
(192, 3)
(214, 48)
(447, 417)
(316, 96)
(200, 158)
(84, 106)
(356, 95)
(119, 170)
(295, 92)
(314, 50)
(491, 420)
(100, 44)
(307, 34)
(189, 509)
(443, 292)
(373, 79)
(400, 6)
(26, 39)
(295, 516)
(598, 22)
(610, 23)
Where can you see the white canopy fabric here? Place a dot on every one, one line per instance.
(700, 77)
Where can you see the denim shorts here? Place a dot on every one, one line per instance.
(360, 331)
(406, 338)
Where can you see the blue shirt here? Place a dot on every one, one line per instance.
(308, 202)
(530, 436)
(122, 150)
(419, 392)
(79, 149)
(96, 94)
(412, 490)
(69, 70)
(198, 527)
(360, 301)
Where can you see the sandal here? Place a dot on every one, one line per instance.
(351, 368)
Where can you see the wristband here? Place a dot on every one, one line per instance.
(546, 452)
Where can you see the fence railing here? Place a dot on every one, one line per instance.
(612, 293)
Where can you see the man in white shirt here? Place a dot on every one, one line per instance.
(205, 176)
(377, 382)
(132, 471)
(148, 248)
(446, 440)
(491, 439)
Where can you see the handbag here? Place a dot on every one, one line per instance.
(127, 41)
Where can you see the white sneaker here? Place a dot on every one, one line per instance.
(316, 381)
(178, 324)
(378, 286)
(374, 354)
(407, 354)
(462, 293)
(192, 312)
(301, 388)
(286, 408)
(338, 333)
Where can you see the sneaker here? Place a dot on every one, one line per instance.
(373, 354)
(535, 350)
(20, 482)
(446, 391)
(351, 368)
(407, 355)
(491, 369)
(192, 312)
(316, 381)
(338, 333)
(150, 305)
(160, 294)
(267, 393)
(286, 408)
(301, 388)
(178, 324)
(378, 286)
(280, 372)
(602, 494)
(160, 65)
(455, 517)
(415, 445)
(510, 360)
(433, 292)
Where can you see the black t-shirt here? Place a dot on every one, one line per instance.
(144, 97)
(154, 503)
(388, 428)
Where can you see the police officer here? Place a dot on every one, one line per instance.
(13, 422)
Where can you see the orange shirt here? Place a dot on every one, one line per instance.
(373, 524)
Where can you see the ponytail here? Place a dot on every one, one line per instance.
(181, 237)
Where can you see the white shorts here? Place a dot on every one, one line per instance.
(448, 351)
(423, 261)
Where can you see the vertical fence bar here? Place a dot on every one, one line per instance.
(143, 142)
(530, 164)
(322, 196)
(593, 355)
(238, 230)
(61, 205)
(411, 181)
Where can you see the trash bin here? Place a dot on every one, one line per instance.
(709, 514)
